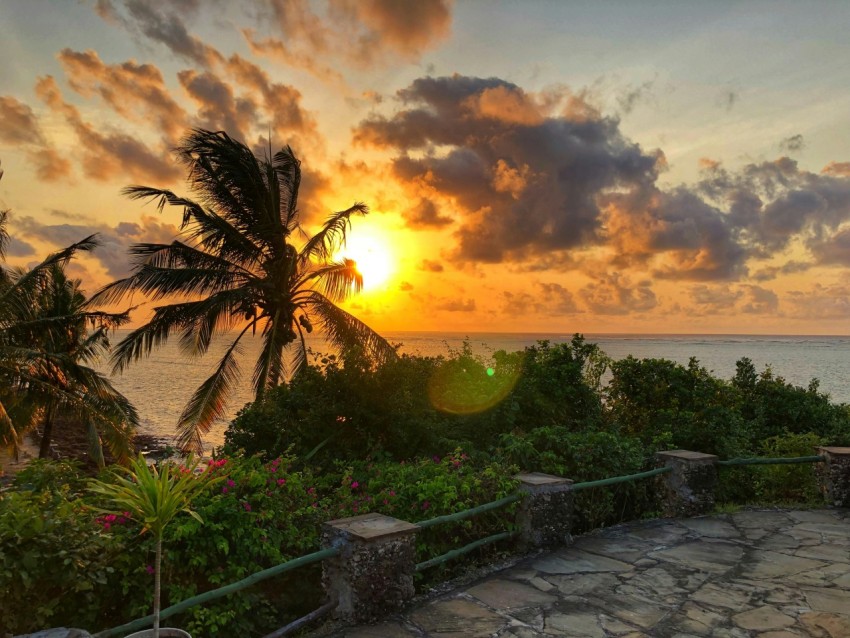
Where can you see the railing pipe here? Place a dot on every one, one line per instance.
(776, 461)
(459, 516)
(455, 553)
(208, 596)
(576, 487)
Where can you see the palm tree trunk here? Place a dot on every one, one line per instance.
(47, 433)
(156, 586)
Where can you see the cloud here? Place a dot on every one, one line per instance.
(281, 102)
(405, 286)
(19, 127)
(614, 294)
(772, 272)
(135, 91)
(18, 123)
(430, 266)
(110, 154)
(19, 248)
(219, 109)
(114, 240)
(319, 37)
(629, 98)
(162, 22)
(550, 299)
(792, 144)
(524, 171)
(456, 305)
(715, 299)
(425, 214)
(833, 250)
(820, 302)
(841, 169)
(760, 301)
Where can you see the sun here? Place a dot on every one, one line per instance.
(374, 259)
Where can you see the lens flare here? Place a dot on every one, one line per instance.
(467, 387)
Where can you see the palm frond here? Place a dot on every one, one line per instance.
(270, 367)
(213, 232)
(4, 233)
(346, 331)
(287, 167)
(324, 243)
(337, 280)
(209, 401)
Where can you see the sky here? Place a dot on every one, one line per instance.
(598, 167)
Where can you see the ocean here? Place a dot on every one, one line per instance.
(161, 384)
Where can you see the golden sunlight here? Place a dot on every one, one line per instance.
(373, 256)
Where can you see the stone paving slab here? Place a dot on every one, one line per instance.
(765, 573)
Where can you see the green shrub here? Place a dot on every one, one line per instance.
(54, 562)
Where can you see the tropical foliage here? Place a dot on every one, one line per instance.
(50, 335)
(153, 497)
(237, 267)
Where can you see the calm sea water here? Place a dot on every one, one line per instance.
(160, 385)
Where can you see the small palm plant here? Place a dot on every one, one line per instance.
(154, 497)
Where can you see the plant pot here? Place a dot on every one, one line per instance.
(164, 632)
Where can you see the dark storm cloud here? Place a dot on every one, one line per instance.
(524, 171)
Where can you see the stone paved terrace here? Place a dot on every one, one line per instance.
(772, 574)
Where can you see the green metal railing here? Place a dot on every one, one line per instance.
(315, 557)
(775, 461)
(206, 597)
(576, 487)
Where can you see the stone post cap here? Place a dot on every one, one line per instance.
(835, 451)
(686, 455)
(371, 527)
(538, 479)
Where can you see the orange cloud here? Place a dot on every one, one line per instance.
(19, 127)
(135, 91)
(104, 156)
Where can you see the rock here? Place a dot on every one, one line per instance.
(458, 618)
(571, 561)
(506, 594)
(762, 619)
(834, 626)
(835, 601)
(715, 557)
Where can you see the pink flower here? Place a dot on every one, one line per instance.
(311, 490)
(386, 502)
(106, 526)
(281, 481)
(355, 485)
(224, 490)
(149, 569)
(317, 505)
(247, 506)
(231, 483)
(392, 492)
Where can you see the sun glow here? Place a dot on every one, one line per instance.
(374, 259)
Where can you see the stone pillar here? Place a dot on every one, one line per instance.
(834, 475)
(546, 511)
(372, 575)
(689, 489)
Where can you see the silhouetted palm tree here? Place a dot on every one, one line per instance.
(238, 269)
(48, 335)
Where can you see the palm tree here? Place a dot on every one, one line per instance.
(48, 335)
(238, 269)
